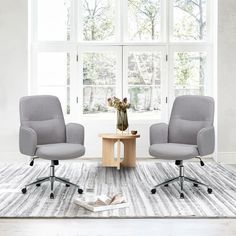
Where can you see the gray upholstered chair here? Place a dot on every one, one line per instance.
(43, 134)
(190, 134)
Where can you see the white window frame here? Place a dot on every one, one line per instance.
(76, 46)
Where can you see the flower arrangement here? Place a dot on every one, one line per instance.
(120, 105)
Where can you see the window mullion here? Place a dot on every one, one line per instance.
(80, 81)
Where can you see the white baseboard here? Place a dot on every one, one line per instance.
(226, 157)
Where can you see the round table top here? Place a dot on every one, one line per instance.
(119, 136)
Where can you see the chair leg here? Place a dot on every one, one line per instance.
(39, 181)
(67, 182)
(65, 179)
(167, 182)
(52, 178)
(190, 180)
(196, 183)
(42, 178)
(181, 180)
(153, 191)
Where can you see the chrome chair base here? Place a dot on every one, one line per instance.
(52, 179)
(181, 179)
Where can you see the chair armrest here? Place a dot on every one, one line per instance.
(27, 141)
(206, 141)
(75, 133)
(158, 133)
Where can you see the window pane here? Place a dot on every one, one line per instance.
(98, 20)
(54, 19)
(144, 19)
(95, 99)
(144, 68)
(53, 68)
(189, 73)
(189, 20)
(145, 99)
(99, 80)
(53, 76)
(99, 68)
(144, 80)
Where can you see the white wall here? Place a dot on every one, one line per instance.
(13, 71)
(227, 81)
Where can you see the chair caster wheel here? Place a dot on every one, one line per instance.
(166, 185)
(23, 190)
(209, 190)
(182, 196)
(153, 191)
(38, 185)
(67, 185)
(195, 185)
(80, 191)
(51, 195)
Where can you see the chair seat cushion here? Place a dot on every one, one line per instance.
(60, 151)
(173, 151)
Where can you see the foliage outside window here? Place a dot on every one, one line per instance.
(98, 20)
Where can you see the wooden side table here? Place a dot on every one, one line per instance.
(108, 155)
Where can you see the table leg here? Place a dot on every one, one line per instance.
(108, 158)
(129, 153)
(118, 154)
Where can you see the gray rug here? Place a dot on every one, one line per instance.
(134, 183)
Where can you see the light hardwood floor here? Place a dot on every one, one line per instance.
(115, 227)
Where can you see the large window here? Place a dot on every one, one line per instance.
(150, 51)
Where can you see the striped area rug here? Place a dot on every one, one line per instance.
(134, 183)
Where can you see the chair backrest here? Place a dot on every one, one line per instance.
(43, 113)
(190, 114)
